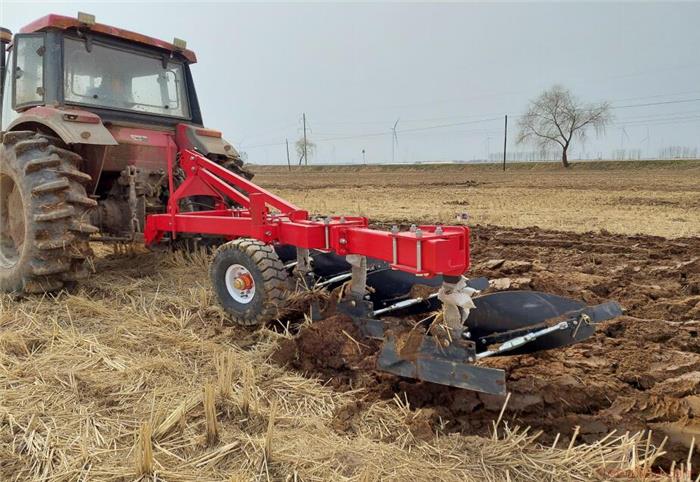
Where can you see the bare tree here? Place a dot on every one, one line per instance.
(557, 117)
(301, 151)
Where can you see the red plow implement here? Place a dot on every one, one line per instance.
(271, 241)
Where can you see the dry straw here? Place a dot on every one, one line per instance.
(106, 384)
(144, 451)
(209, 402)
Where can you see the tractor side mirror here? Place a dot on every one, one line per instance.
(5, 39)
(5, 36)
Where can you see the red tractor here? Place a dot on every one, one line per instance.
(90, 115)
(103, 140)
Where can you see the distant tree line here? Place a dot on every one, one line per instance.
(627, 154)
(678, 152)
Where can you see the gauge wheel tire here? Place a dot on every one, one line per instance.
(44, 214)
(250, 281)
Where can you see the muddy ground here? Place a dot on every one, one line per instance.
(640, 371)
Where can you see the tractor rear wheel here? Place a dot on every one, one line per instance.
(44, 214)
(250, 281)
(236, 166)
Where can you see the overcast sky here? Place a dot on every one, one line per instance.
(448, 72)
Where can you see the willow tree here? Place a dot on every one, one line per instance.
(557, 118)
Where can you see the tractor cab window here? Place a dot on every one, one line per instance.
(117, 79)
(28, 70)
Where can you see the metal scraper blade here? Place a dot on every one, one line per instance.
(445, 366)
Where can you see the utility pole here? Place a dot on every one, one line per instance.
(505, 143)
(364, 160)
(306, 156)
(289, 164)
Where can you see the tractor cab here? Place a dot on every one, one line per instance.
(119, 75)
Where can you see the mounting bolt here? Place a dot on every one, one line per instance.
(438, 230)
(327, 220)
(419, 233)
(394, 229)
(268, 233)
(353, 303)
(412, 228)
(343, 241)
(467, 335)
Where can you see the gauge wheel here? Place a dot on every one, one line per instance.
(250, 281)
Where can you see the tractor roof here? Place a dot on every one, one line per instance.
(65, 23)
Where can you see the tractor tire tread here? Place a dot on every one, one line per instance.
(51, 244)
(55, 214)
(27, 145)
(76, 175)
(57, 248)
(51, 186)
(49, 268)
(42, 284)
(13, 137)
(66, 154)
(86, 228)
(41, 163)
(80, 200)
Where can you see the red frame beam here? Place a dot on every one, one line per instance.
(427, 251)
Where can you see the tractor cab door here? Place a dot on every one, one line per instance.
(24, 79)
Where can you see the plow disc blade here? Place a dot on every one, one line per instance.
(386, 285)
(389, 285)
(512, 313)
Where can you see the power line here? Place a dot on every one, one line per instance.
(359, 136)
(671, 121)
(385, 133)
(491, 119)
(681, 101)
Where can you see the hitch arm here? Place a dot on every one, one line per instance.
(424, 251)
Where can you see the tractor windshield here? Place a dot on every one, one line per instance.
(105, 76)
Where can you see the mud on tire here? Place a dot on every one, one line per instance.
(44, 214)
(249, 257)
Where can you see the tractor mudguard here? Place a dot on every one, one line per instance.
(73, 126)
(203, 140)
